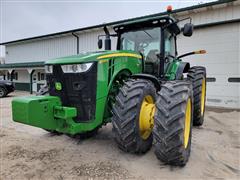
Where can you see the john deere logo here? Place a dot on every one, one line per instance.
(58, 86)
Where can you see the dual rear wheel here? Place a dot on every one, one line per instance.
(173, 123)
(142, 118)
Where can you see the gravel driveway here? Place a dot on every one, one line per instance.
(31, 153)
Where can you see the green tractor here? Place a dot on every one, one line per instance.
(143, 88)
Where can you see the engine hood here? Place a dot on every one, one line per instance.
(91, 56)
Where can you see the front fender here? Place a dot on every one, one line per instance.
(176, 69)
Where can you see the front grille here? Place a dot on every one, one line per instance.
(78, 90)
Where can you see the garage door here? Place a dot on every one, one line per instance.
(222, 62)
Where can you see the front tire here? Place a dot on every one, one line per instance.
(197, 75)
(173, 123)
(3, 92)
(133, 114)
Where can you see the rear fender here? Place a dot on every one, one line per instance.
(176, 69)
(183, 68)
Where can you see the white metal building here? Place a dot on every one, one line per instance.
(217, 30)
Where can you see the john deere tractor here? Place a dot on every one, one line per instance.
(144, 88)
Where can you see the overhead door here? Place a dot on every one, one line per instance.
(222, 61)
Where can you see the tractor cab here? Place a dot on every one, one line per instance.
(153, 38)
(145, 38)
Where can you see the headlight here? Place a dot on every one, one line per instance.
(48, 69)
(76, 68)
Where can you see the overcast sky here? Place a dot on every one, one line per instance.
(28, 18)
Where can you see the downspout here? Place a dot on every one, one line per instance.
(11, 75)
(75, 35)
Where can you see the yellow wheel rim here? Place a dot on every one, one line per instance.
(146, 117)
(203, 96)
(187, 126)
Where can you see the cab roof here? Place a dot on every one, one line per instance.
(146, 22)
(162, 21)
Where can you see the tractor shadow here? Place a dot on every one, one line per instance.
(103, 136)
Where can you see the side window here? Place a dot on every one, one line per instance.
(170, 48)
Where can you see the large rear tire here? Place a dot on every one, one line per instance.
(133, 115)
(173, 123)
(197, 75)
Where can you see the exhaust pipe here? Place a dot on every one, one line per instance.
(107, 41)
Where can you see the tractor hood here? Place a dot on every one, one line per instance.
(91, 56)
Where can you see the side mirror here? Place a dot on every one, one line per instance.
(188, 29)
(100, 43)
(107, 43)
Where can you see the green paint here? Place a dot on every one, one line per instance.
(84, 57)
(35, 111)
(172, 69)
(58, 86)
(47, 112)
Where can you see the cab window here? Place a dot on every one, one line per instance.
(143, 40)
(170, 47)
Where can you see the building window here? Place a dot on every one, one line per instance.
(41, 76)
(15, 76)
(234, 79)
(8, 76)
(211, 79)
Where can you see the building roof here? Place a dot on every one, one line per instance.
(122, 21)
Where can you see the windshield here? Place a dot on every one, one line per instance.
(143, 41)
